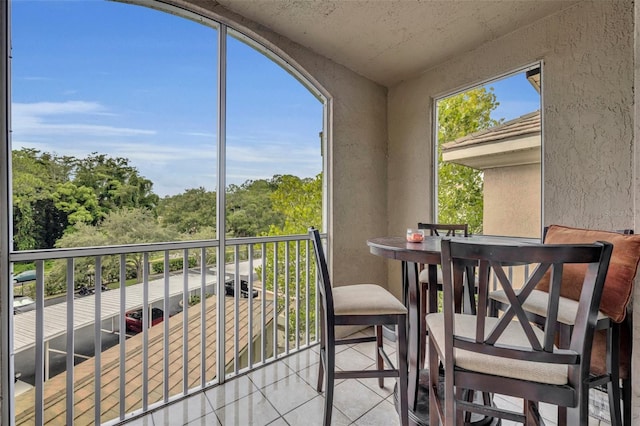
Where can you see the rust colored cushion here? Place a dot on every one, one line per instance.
(618, 286)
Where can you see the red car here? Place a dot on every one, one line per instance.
(133, 319)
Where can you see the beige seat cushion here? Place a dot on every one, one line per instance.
(424, 275)
(365, 299)
(465, 326)
(567, 310)
(537, 304)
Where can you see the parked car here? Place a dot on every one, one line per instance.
(229, 288)
(23, 304)
(25, 276)
(133, 319)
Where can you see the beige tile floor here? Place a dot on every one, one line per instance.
(283, 393)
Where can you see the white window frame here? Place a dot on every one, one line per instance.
(435, 166)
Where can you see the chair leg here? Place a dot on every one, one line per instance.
(330, 367)
(379, 360)
(613, 389)
(424, 309)
(323, 353)
(579, 415)
(465, 395)
(531, 413)
(434, 369)
(613, 367)
(626, 401)
(403, 384)
(323, 357)
(564, 341)
(562, 416)
(626, 381)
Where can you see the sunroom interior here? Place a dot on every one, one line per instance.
(381, 65)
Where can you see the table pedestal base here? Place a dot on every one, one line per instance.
(420, 416)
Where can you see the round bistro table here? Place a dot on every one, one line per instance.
(412, 255)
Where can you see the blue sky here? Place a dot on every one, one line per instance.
(96, 76)
(516, 97)
(129, 81)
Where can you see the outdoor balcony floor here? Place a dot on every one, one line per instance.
(283, 393)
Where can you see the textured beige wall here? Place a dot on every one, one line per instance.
(588, 117)
(512, 201)
(357, 154)
(635, 362)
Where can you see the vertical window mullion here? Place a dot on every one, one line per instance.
(6, 230)
(221, 199)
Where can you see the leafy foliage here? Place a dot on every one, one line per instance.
(250, 210)
(79, 203)
(191, 212)
(68, 202)
(37, 222)
(460, 188)
(116, 184)
(125, 226)
(51, 193)
(299, 201)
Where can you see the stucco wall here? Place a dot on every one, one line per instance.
(357, 155)
(635, 361)
(512, 201)
(587, 110)
(588, 120)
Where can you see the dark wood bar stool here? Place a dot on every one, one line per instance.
(429, 299)
(358, 304)
(611, 349)
(510, 355)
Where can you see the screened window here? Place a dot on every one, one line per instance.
(488, 153)
(115, 121)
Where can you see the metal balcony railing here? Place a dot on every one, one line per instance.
(157, 331)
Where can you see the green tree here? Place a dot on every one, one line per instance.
(190, 212)
(249, 208)
(120, 227)
(299, 201)
(37, 221)
(79, 203)
(117, 185)
(133, 226)
(51, 193)
(460, 188)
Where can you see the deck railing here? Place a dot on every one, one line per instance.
(151, 336)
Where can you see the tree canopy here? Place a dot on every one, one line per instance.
(66, 202)
(119, 227)
(460, 188)
(190, 212)
(250, 209)
(51, 193)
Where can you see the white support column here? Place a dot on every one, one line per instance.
(6, 294)
(221, 200)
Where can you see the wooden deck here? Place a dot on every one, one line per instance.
(84, 396)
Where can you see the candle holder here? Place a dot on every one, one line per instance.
(415, 235)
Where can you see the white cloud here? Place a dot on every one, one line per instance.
(202, 134)
(65, 118)
(55, 108)
(35, 78)
(173, 162)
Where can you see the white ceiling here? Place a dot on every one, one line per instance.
(389, 41)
